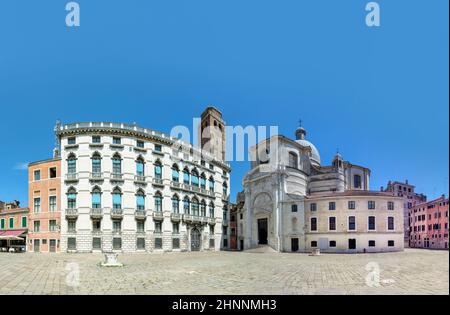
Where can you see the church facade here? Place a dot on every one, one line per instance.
(294, 204)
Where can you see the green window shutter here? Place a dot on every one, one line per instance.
(11, 223)
(24, 222)
(2, 224)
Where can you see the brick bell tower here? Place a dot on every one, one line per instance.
(212, 133)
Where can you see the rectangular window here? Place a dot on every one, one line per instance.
(332, 223)
(2, 224)
(391, 226)
(36, 226)
(11, 223)
(140, 226)
(96, 243)
(313, 224)
(140, 144)
(158, 148)
(71, 243)
(37, 205)
(332, 205)
(52, 172)
(332, 243)
(52, 203)
(357, 181)
(96, 139)
(294, 208)
(391, 243)
(117, 225)
(37, 175)
(117, 140)
(52, 225)
(117, 243)
(351, 205)
(371, 205)
(24, 222)
(71, 225)
(372, 243)
(158, 243)
(212, 243)
(176, 243)
(140, 243)
(313, 243)
(391, 205)
(158, 227)
(313, 207)
(372, 224)
(175, 228)
(71, 141)
(352, 223)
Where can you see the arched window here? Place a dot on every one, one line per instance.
(96, 198)
(186, 205)
(211, 210)
(194, 179)
(203, 208)
(211, 183)
(117, 198)
(71, 164)
(293, 160)
(117, 164)
(175, 173)
(175, 204)
(158, 169)
(140, 167)
(158, 202)
(357, 181)
(203, 181)
(186, 176)
(225, 189)
(96, 163)
(140, 200)
(195, 206)
(71, 198)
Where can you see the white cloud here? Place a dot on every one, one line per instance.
(22, 166)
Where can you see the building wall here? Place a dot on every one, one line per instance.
(429, 224)
(129, 153)
(43, 189)
(16, 214)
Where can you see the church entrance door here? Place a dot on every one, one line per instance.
(262, 231)
(195, 240)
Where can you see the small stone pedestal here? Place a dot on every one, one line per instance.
(111, 260)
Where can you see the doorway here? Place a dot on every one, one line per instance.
(36, 246)
(195, 240)
(352, 243)
(262, 232)
(294, 244)
(52, 246)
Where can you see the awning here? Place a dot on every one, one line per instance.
(11, 233)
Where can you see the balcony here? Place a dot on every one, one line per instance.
(96, 145)
(175, 217)
(158, 182)
(140, 214)
(116, 213)
(96, 213)
(175, 185)
(211, 221)
(140, 179)
(116, 146)
(71, 213)
(158, 215)
(117, 177)
(96, 177)
(71, 178)
(225, 222)
(160, 153)
(192, 219)
(97, 232)
(140, 149)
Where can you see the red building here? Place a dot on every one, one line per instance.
(429, 224)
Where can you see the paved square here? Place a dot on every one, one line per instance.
(411, 272)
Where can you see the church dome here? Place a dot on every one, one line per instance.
(300, 134)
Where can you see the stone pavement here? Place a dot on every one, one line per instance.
(414, 271)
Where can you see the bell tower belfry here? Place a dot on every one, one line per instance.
(212, 133)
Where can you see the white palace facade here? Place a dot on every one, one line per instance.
(125, 189)
(294, 204)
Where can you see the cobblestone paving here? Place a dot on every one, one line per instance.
(410, 272)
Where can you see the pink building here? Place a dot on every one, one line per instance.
(429, 224)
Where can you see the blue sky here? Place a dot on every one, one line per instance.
(379, 95)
